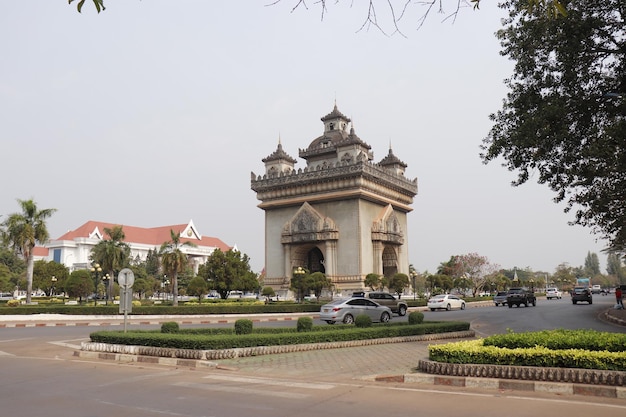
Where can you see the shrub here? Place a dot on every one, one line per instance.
(169, 327)
(305, 324)
(416, 317)
(363, 320)
(243, 326)
(136, 303)
(13, 303)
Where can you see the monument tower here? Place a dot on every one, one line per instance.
(342, 214)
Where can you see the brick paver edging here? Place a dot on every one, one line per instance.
(107, 349)
(526, 373)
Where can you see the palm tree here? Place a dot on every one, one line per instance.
(112, 254)
(22, 231)
(174, 260)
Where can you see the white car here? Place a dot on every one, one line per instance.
(445, 302)
(553, 293)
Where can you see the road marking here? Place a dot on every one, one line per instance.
(239, 390)
(16, 340)
(268, 381)
(142, 377)
(64, 343)
(6, 353)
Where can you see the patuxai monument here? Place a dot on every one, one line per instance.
(342, 214)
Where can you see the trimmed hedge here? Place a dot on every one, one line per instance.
(188, 340)
(161, 309)
(474, 352)
(561, 339)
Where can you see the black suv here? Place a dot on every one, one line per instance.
(384, 298)
(581, 294)
(519, 296)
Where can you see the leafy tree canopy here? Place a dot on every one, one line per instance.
(563, 122)
(228, 271)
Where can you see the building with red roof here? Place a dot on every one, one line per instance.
(74, 247)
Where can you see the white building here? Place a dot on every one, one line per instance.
(74, 247)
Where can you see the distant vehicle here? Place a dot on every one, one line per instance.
(500, 298)
(519, 296)
(596, 289)
(553, 293)
(396, 305)
(581, 294)
(445, 302)
(347, 309)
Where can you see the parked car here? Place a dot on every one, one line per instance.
(345, 310)
(445, 302)
(553, 293)
(396, 305)
(581, 294)
(500, 298)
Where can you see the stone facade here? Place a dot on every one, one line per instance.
(342, 214)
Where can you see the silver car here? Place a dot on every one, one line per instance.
(345, 310)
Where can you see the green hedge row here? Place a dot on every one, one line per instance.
(561, 339)
(185, 340)
(474, 352)
(197, 309)
(159, 309)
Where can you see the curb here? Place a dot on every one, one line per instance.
(507, 385)
(98, 321)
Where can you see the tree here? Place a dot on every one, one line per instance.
(228, 271)
(615, 267)
(268, 292)
(198, 287)
(398, 9)
(79, 284)
(43, 271)
(317, 282)
(174, 261)
(398, 282)
(372, 281)
(112, 254)
(563, 121)
(564, 276)
(22, 231)
(592, 264)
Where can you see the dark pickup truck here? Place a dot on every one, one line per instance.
(519, 296)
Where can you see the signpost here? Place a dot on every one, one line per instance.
(126, 279)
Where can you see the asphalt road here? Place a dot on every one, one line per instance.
(41, 377)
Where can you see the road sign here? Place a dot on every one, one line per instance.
(126, 278)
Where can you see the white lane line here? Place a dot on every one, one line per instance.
(16, 340)
(141, 378)
(64, 343)
(6, 353)
(239, 390)
(268, 381)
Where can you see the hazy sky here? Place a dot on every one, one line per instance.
(156, 112)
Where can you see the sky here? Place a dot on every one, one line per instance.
(155, 113)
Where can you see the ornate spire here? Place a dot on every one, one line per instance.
(279, 154)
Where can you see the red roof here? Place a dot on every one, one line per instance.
(155, 236)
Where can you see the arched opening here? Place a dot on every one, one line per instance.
(315, 261)
(390, 262)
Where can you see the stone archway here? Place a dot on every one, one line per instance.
(390, 262)
(309, 257)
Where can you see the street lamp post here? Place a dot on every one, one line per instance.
(106, 279)
(299, 272)
(96, 270)
(414, 277)
(54, 281)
